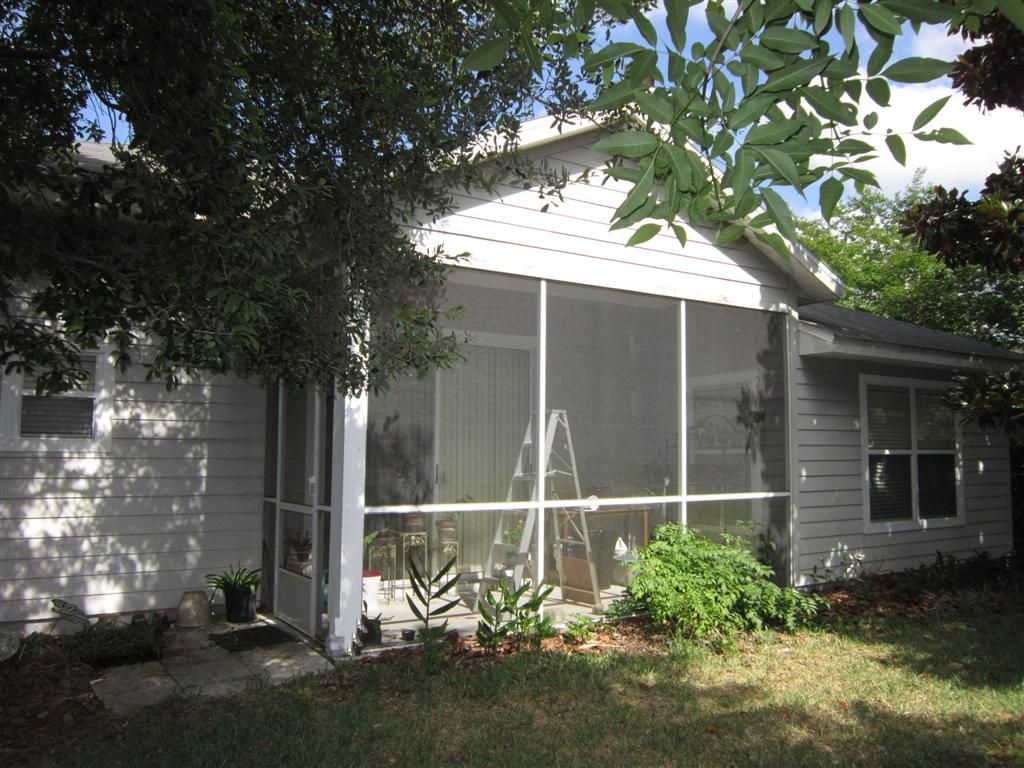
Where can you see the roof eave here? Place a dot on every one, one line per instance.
(816, 341)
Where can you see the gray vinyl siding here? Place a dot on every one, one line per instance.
(830, 495)
(517, 231)
(178, 495)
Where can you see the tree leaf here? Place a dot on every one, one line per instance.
(879, 56)
(859, 175)
(897, 148)
(677, 12)
(750, 109)
(878, 90)
(929, 113)
(617, 8)
(631, 144)
(645, 209)
(680, 233)
(780, 213)
(774, 240)
(917, 69)
(847, 23)
(613, 96)
(822, 15)
(1013, 10)
(761, 57)
(830, 107)
(639, 196)
(829, 195)
(921, 10)
(656, 107)
(681, 170)
(795, 75)
(783, 165)
(788, 40)
(944, 136)
(772, 132)
(880, 18)
(486, 56)
(646, 28)
(644, 233)
(729, 234)
(610, 53)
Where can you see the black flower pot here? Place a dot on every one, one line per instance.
(239, 605)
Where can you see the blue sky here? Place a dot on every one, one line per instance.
(964, 167)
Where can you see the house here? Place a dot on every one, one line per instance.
(711, 385)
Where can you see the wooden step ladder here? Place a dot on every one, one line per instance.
(569, 524)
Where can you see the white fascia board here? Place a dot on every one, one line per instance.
(818, 342)
(544, 130)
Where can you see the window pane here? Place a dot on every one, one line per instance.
(889, 418)
(56, 416)
(736, 415)
(891, 497)
(936, 483)
(613, 371)
(935, 430)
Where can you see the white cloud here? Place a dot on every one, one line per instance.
(963, 167)
(933, 41)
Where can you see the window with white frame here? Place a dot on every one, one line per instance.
(75, 420)
(911, 454)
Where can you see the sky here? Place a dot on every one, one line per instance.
(964, 167)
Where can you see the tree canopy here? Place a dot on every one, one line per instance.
(252, 220)
(888, 274)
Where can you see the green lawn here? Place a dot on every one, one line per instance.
(947, 690)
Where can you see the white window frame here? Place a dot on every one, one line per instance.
(11, 391)
(915, 522)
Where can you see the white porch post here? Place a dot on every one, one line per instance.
(348, 507)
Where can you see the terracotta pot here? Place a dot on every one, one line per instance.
(447, 531)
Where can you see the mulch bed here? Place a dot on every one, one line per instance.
(45, 693)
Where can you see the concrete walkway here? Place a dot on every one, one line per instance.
(194, 663)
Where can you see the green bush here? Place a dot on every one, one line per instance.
(709, 590)
(107, 644)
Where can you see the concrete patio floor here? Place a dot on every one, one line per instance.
(195, 663)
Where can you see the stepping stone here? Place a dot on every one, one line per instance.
(125, 690)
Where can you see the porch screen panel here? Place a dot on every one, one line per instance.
(613, 369)
(400, 443)
(736, 414)
(297, 447)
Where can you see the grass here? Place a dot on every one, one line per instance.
(942, 690)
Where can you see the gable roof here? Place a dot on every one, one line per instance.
(812, 277)
(830, 331)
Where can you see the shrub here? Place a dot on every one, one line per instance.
(709, 590)
(513, 616)
(108, 644)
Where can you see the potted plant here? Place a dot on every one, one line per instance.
(448, 529)
(239, 586)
